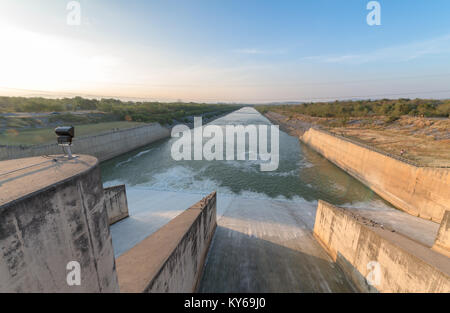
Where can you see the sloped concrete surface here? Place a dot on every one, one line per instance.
(268, 246)
(171, 259)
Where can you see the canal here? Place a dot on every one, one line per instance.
(302, 175)
(265, 219)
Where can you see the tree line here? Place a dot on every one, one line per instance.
(390, 108)
(146, 111)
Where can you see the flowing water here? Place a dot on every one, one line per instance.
(263, 241)
(160, 188)
(302, 175)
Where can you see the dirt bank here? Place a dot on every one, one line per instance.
(424, 141)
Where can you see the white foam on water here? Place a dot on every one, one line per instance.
(262, 196)
(111, 183)
(183, 179)
(180, 178)
(292, 173)
(134, 157)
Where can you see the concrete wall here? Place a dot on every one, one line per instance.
(442, 243)
(420, 191)
(103, 146)
(356, 243)
(171, 259)
(116, 203)
(44, 229)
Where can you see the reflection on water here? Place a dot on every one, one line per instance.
(302, 173)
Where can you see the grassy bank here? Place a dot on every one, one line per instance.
(46, 135)
(25, 121)
(163, 113)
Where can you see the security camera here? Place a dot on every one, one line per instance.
(65, 135)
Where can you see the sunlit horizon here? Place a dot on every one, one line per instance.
(212, 52)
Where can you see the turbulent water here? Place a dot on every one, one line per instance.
(303, 175)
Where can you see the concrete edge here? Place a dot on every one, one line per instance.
(395, 239)
(442, 242)
(118, 218)
(195, 212)
(200, 205)
(118, 189)
(394, 200)
(203, 261)
(61, 182)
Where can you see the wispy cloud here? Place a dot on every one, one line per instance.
(258, 51)
(399, 53)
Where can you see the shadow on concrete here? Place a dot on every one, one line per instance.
(55, 164)
(130, 231)
(356, 277)
(239, 263)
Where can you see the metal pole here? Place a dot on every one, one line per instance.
(69, 153)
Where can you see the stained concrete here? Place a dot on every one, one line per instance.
(416, 228)
(116, 203)
(402, 264)
(52, 212)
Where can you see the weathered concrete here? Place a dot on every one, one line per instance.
(149, 211)
(171, 260)
(355, 243)
(442, 243)
(116, 203)
(104, 146)
(423, 192)
(52, 212)
(416, 228)
(268, 246)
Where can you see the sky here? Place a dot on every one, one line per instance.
(250, 51)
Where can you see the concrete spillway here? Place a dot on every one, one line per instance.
(259, 245)
(268, 246)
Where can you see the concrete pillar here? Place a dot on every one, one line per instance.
(52, 219)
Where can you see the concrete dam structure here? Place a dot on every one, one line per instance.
(171, 259)
(363, 247)
(55, 211)
(52, 213)
(103, 146)
(420, 191)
